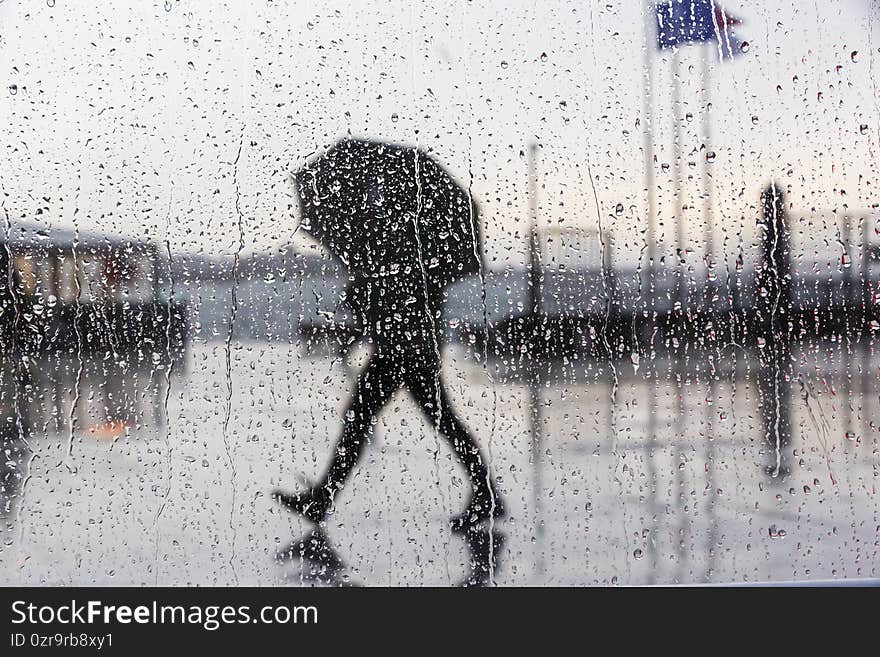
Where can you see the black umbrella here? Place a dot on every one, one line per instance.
(380, 207)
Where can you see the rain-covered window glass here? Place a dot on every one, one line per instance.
(513, 293)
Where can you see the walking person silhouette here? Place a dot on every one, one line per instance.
(405, 230)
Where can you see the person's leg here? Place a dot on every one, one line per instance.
(381, 377)
(379, 380)
(434, 401)
(424, 382)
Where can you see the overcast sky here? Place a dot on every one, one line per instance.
(126, 117)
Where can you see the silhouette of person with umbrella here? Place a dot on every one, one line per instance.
(405, 231)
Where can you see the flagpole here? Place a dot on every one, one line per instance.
(651, 243)
(534, 289)
(677, 159)
(648, 138)
(710, 306)
(707, 139)
(678, 316)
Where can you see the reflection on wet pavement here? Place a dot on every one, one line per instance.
(96, 521)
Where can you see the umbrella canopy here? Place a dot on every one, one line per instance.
(383, 207)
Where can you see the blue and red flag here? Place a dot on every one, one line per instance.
(681, 22)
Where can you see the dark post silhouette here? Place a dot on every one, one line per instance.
(13, 378)
(772, 316)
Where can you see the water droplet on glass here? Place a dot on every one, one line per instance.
(775, 532)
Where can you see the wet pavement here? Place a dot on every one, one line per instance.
(619, 498)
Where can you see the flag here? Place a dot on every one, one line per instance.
(680, 22)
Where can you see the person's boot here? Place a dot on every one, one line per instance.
(312, 504)
(483, 549)
(485, 503)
